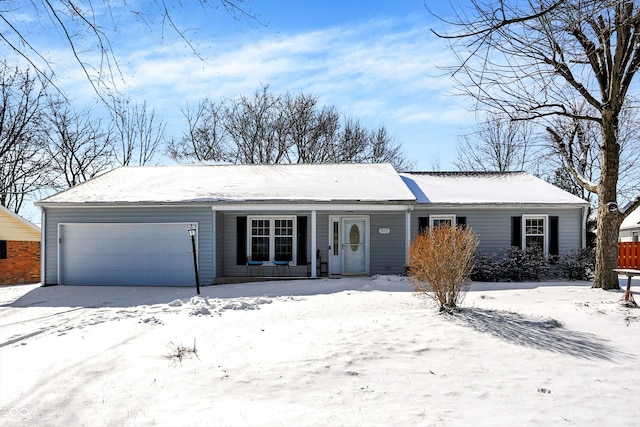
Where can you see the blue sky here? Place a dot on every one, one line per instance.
(373, 60)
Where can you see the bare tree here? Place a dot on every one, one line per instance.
(271, 128)
(558, 63)
(78, 147)
(24, 173)
(497, 144)
(87, 28)
(21, 96)
(139, 133)
(21, 135)
(311, 129)
(206, 137)
(253, 125)
(351, 145)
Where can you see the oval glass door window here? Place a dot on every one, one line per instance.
(354, 237)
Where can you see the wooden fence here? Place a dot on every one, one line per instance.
(629, 255)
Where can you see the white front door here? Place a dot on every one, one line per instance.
(354, 247)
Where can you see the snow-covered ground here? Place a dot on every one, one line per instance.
(352, 352)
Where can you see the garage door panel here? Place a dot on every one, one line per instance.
(126, 254)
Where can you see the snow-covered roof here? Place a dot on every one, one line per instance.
(246, 183)
(485, 188)
(632, 221)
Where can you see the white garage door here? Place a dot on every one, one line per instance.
(126, 254)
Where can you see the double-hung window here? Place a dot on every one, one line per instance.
(535, 233)
(272, 238)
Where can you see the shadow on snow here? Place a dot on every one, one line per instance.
(541, 333)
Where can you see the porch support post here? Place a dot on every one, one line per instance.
(313, 245)
(215, 239)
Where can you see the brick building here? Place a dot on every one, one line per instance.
(19, 249)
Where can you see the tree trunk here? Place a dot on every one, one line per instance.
(609, 218)
(607, 248)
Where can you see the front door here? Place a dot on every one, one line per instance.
(355, 251)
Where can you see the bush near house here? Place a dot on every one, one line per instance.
(579, 264)
(517, 265)
(440, 264)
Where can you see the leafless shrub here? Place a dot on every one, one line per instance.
(440, 264)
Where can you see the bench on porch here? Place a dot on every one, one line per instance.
(256, 268)
(281, 267)
(630, 273)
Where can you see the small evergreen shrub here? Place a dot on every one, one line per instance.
(514, 264)
(440, 264)
(578, 264)
(522, 265)
(485, 268)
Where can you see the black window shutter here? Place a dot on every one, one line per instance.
(554, 235)
(241, 233)
(302, 240)
(423, 224)
(3, 249)
(516, 231)
(461, 221)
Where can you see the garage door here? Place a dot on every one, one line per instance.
(126, 254)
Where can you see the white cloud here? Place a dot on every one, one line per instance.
(382, 72)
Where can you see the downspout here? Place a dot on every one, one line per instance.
(585, 217)
(43, 252)
(408, 234)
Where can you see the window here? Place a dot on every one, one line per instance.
(534, 232)
(283, 240)
(3, 249)
(438, 220)
(272, 238)
(260, 229)
(635, 236)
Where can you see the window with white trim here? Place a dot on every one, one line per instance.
(635, 236)
(438, 220)
(272, 238)
(535, 233)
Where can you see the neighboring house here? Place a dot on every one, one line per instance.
(630, 227)
(19, 249)
(129, 226)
